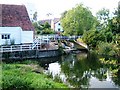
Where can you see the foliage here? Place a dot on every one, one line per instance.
(12, 41)
(47, 25)
(63, 14)
(107, 49)
(77, 20)
(115, 22)
(114, 25)
(80, 40)
(22, 76)
(42, 28)
(103, 16)
(35, 16)
(48, 31)
(104, 37)
(93, 37)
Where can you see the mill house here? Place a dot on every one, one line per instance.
(15, 26)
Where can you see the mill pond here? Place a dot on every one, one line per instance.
(82, 70)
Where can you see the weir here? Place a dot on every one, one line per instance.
(29, 54)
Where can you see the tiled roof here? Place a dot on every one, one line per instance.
(16, 16)
(56, 20)
(44, 21)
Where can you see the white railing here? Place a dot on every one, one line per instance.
(18, 48)
(56, 37)
(36, 43)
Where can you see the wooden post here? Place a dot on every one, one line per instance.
(37, 44)
(29, 47)
(20, 47)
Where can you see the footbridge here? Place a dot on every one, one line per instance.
(38, 41)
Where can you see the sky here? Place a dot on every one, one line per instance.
(56, 7)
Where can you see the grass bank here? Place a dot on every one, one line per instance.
(26, 76)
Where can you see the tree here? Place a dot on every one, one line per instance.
(35, 16)
(42, 28)
(77, 20)
(63, 14)
(93, 37)
(37, 27)
(103, 16)
(47, 25)
(115, 22)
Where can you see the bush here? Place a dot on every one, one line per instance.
(47, 31)
(93, 37)
(12, 41)
(107, 49)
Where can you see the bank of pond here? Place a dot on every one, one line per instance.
(81, 70)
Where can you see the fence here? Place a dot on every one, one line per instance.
(36, 43)
(56, 37)
(18, 48)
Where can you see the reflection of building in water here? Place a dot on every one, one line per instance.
(54, 69)
(44, 62)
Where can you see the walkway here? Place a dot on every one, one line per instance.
(38, 44)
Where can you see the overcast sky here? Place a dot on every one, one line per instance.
(56, 7)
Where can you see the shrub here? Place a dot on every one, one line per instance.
(12, 41)
(47, 31)
(93, 37)
(107, 49)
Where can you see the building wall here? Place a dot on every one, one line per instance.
(14, 32)
(52, 25)
(58, 27)
(27, 37)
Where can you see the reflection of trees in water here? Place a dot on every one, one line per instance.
(79, 70)
(116, 72)
(116, 78)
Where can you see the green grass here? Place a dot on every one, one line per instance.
(23, 76)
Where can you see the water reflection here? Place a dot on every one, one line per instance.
(84, 71)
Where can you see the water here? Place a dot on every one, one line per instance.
(83, 71)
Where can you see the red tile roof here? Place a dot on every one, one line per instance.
(16, 16)
(56, 20)
(44, 21)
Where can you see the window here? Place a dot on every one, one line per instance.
(58, 29)
(5, 36)
(58, 23)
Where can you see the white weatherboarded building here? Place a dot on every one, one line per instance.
(16, 26)
(56, 25)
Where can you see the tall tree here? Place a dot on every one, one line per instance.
(115, 22)
(103, 16)
(35, 16)
(47, 25)
(77, 20)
